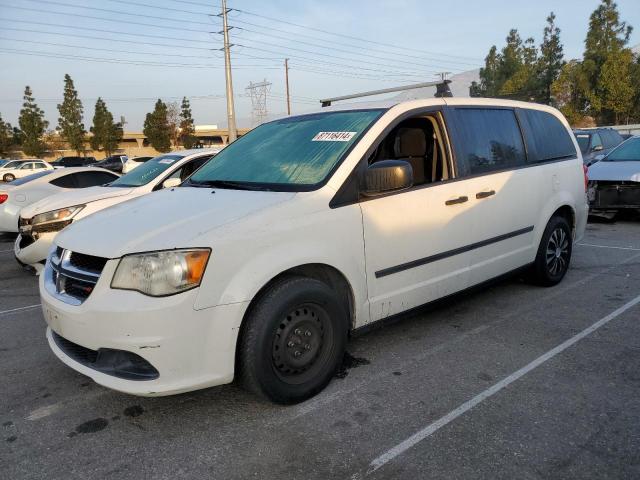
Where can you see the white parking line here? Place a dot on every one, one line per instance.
(608, 246)
(417, 437)
(19, 308)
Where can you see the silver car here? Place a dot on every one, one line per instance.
(614, 181)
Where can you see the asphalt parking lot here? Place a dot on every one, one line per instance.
(508, 382)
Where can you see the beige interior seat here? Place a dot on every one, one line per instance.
(411, 146)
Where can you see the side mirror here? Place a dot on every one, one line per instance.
(387, 176)
(171, 182)
(597, 148)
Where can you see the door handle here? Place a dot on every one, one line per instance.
(454, 201)
(485, 194)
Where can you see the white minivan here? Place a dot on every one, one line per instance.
(262, 263)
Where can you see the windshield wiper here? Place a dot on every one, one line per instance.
(228, 184)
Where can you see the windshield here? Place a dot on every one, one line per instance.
(628, 151)
(291, 154)
(583, 142)
(33, 176)
(146, 172)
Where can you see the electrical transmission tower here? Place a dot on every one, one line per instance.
(258, 93)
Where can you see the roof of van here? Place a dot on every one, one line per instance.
(425, 102)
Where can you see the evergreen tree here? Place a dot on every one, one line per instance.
(551, 59)
(6, 136)
(106, 133)
(607, 36)
(33, 125)
(614, 83)
(70, 120)
(570, 92)
(157, 128)
(187, 129)
(488, 86)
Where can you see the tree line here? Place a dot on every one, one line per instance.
(602, 88)
(167, 125)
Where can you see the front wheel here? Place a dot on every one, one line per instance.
(9, 177)
(554, 253)
(293, 340)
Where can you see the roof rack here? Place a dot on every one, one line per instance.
(442, 90)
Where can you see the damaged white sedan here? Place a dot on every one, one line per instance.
(614, 181)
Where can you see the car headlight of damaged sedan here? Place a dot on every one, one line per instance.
(159, 274)
(55, 220)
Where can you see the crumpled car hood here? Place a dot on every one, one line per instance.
(627, 171)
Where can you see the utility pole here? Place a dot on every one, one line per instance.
(231, 114)
(286, 78)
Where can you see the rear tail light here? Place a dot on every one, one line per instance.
(585, 169)
(3, 198)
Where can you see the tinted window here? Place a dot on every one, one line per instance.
(489, 139)
(547, 138)
(92, 179)
(66, 181)
(583, 141)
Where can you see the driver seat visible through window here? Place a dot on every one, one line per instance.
(419, 142)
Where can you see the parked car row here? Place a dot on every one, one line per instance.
(595, 143)
(260, 263)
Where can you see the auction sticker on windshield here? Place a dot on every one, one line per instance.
(333, 136)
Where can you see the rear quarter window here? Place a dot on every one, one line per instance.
(488, 139)
(547, 138)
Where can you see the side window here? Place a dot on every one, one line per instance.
(93, 179)
(489, 139)
(190, 167)
(39, 165)
(27, 166)
(418, 141)
(596, 141)
(66, 181)
(547, 138)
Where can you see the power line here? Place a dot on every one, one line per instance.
(108, 10)
(115, 60)
(78, 15)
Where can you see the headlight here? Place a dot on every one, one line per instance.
(59, 215)
(159, 274)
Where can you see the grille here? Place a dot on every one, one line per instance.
(87, 262)
(73, 275)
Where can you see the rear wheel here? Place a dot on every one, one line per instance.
(293, 340)
(9, 177)
(554, 253)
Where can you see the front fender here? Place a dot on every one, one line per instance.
(241, 266)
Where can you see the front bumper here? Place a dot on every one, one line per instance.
(190, 349)
(32, 251)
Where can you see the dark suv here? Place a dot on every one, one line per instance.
(113, 163)
(73, 162)
(595, 143)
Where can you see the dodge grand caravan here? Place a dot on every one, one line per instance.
(260, 265)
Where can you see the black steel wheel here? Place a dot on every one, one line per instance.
(554, 253)
(292, 340)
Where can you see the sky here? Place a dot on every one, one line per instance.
(150, 49)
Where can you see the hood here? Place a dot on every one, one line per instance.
(74, 197)
(612, 171)
(167, 219)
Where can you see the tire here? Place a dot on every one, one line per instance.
(554, 253)
(9, 177)
(293, 340)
